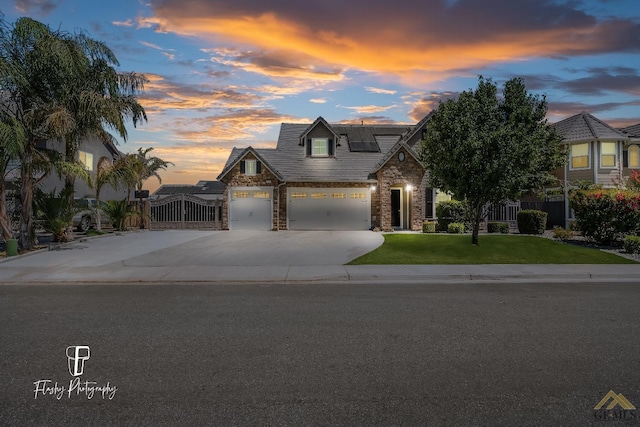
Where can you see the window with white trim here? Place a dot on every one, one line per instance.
(320, 147)
(608, 154)
(250, 167)
(634, 156)
(580, 156)
(86, 159)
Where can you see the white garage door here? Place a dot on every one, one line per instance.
(329, 208)
(250, 208)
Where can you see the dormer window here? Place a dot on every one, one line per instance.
(320, 147)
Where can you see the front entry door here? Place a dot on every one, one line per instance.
(395, 208)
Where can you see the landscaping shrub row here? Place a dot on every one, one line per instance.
(606, 216)
(498, 227)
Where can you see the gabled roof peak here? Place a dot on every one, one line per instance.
(318, 121)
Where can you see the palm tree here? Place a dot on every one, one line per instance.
(114, 174)
(143, 168)
(63, 86)
(97, 100)
(12, 139)
(33, 63)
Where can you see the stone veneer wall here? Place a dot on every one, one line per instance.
(397, 173)
(237, 179)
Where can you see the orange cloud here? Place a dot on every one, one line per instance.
(369, 109)
(415, 40)
(162, 94)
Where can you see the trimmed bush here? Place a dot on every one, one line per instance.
(606, 216)
(562, 234)
(448, 212)
(455, 228)
(498, 227)
(531, 221)
(429, 227)
(632, 244)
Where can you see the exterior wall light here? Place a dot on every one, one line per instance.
(409, 187)
(374, 188)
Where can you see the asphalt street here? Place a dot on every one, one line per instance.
(318, 354)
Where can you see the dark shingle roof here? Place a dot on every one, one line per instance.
(584, 127)
(358, 151)
(633, 131)
(202, 187)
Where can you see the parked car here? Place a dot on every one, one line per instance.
(86, 217)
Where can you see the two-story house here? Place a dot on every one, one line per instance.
(324, 176)
(89, 154)
(597, 153)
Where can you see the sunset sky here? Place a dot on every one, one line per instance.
(227, 73)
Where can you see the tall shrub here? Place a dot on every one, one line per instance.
(450, 211)
(531, 221)
(605, 216)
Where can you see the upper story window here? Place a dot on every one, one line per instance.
(250, 167)
(634, 156)
(580, 156)
(86, 159)
(608, 154)
(320, 147)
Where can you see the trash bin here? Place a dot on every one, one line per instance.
(12, 247)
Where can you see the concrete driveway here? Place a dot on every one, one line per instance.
(191, 254)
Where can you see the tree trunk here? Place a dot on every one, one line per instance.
(5, 221)
(69, 180)
(476, 231)
(477, 216)
(98, 212)
(26, 237)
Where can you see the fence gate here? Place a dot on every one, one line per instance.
(185, 211)
(507, 212)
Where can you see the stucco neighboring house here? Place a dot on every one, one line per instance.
(90, 152)
(324, 176)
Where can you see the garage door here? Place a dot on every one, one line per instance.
(250, 208)
(329, 208)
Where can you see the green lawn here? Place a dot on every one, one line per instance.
(493, 249)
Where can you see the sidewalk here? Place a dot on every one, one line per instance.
(267, 258)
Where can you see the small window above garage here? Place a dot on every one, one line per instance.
(250, 167)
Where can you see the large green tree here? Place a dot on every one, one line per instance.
(487, 149)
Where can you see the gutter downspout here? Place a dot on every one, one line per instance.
(278, 211)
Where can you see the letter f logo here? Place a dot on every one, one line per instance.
(76, 355)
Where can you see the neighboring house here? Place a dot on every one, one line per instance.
(597, 152)
(89, 153)
(207, 190)
(325, 176)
